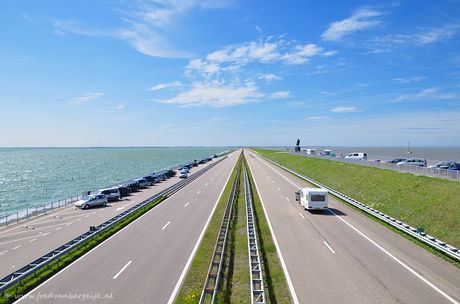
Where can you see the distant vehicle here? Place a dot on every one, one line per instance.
(311, 151)
(357, 155)
(327, 152)
(455, 166)
(91, 201)
(186, 169)
(183, 174)
(396, 160)
(170, 173)
(442, 165)
(214, 156)
(149, 178)
(113, 194)
(312, 198)
(124, 191)
(143, 183)
(133, 186)
(413, 162)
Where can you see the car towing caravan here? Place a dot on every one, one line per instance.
(312, 198)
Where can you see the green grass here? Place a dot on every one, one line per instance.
(420, 201)
(26, 285)
(234, 282)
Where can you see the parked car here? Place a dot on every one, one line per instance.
(442, 165)
(150, 179)
(183, 174)
(133, 186)
(170, 173)
(186, 169)
(214, 156)
(124, 191)
(143, 183)
(396, 160)
(413, 162)
(455, 173)
(91, 201)
(113, 194)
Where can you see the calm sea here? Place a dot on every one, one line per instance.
(36, 176)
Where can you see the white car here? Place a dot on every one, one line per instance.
(91, 201)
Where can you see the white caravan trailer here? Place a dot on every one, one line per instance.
(312, 198)
(311, 151)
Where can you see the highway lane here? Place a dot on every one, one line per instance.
(28, 240)
(341, 256)
(144, 262)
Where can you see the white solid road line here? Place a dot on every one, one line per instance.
(165, 226)
(302, 215)
(378, 246)
(116, 276)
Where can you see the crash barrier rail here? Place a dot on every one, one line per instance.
(415, 232)
(212, 278)
(54, 255)
(377, 163)
(42, 209)
(257, 281)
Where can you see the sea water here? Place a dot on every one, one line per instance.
(31, 177)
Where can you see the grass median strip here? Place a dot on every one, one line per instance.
(420, 201)
(234, 284)
(17, 291)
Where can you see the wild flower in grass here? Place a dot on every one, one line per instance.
(192, 297)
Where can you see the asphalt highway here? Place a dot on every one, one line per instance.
(28, 240)
(341, 256)
(147, 261)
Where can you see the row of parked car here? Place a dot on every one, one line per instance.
(102, 196)
(422, 163)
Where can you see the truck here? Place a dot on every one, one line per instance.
(312, 198)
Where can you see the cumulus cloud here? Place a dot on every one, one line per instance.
(217, 94)
(88, 96)
(360, 20)
(302, 53)
(345, 109)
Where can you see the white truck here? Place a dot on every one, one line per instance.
(312, 198)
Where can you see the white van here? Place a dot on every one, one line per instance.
(312, 198)
(357, 155)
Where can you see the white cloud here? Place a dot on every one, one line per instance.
(318, 117)
(216, 94)
(88, 96)
(167, 85)
(281, 94)
(59, 33)
(249, 51)
(360, 20)
(438, 34)
(301, 53)
(406, 80)
(203, 67)
(270, 77)
(402, 97)
(425, 93)
(345, 109)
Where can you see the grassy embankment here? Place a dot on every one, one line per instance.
(14, 293)
(420, 201)
(234, 282)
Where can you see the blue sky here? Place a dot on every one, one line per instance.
(211, 73)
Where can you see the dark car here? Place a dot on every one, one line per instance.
(150, 179)
(133, 186)
(396, 160)
(124, 191)
(170, 173)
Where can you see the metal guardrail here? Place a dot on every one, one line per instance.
(54, 255)
(422, 236)
(257, 281)
(212, 278)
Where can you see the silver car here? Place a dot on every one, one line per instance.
(413, 162)
(91, 201)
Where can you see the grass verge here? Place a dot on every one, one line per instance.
(17, 291)
(420, 201)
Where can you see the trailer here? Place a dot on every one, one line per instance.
(312, 198)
